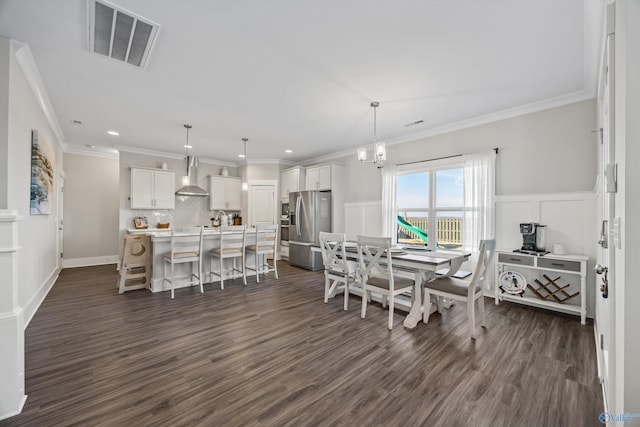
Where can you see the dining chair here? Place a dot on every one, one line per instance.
(266, 241)
(463, 290)
(337, 269)
(232, 239)
(376, 270)
(186, 247)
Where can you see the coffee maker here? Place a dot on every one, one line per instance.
(533, 238)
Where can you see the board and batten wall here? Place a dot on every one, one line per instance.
(90, 210)
(545, 172)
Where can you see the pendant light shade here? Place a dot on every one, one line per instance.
(245, 184)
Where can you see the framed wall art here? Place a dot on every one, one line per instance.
(42, 170)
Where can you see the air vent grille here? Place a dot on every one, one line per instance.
(119, 34)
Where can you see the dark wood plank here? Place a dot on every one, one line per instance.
(273, 354)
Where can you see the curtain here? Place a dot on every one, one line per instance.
(479, 189)
(389, 227)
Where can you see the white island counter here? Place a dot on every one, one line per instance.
(161, 244)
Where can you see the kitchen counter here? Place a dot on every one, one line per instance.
(161, 244)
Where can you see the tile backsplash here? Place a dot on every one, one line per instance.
(189, 210)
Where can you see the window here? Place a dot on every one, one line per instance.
(430, 206)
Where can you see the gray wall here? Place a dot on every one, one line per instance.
(90, 206)
(548, 151)
(38, 258)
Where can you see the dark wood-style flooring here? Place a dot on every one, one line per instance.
(273, 354)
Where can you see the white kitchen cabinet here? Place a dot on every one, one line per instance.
(225, 193)
(152, 188)
(291, 180)
(319, 177)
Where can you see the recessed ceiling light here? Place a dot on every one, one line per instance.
(288, 151)
(242, 156)
(76, 122)
(188, 146)
(113, 132)
(90, 146)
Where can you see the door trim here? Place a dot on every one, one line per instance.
(276, 197)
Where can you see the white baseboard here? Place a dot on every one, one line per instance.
(17, 412)
(35, 301)
(87, 262)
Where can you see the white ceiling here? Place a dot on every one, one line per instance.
(301, 74)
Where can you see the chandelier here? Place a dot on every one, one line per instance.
(379, 149)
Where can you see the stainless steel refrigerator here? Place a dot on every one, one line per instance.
(309, 214)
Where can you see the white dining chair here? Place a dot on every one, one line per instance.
(266, 241)
(463, 290)
(376, 270)
(186, 247)
(339, 273)
(232, 240)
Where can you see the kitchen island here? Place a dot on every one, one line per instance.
(161, 244)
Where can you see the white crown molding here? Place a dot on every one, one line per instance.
(509, 113)
(91, 152)
(264, 162)
(23, 55)
(157, 153)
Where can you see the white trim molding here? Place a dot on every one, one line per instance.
(12, 392)
(89, 261)
(23, 55)
(157, 153)
(102, 152)
(508, 113)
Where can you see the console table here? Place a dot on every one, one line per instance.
(528, 265)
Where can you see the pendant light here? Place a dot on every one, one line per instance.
(192, 163)
(379, 149)
(245, 184)
(186, 179)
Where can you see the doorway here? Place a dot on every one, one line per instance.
(262, 202)
(60, 221)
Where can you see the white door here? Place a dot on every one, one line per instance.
(605, 255)
(262, 204)
(60, 222)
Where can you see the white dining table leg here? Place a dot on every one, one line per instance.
(415, 314)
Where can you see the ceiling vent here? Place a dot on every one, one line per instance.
(120, 34)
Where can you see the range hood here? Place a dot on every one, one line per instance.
(192, 189)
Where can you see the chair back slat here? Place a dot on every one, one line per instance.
(333, 251)
(485, 259)
(186, 240)
(371, 252)
(266, 237)
(232, 237)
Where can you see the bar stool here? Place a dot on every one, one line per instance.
(186, 246)
(232, 239)
(265, 245)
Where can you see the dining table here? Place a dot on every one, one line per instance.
(421, 264)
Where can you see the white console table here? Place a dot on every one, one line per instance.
(575, 265)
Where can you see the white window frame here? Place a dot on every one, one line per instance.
(432, 210)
